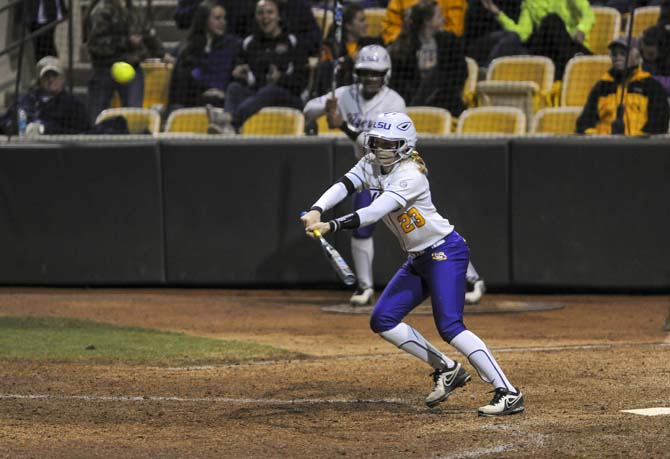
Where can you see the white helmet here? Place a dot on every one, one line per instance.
(399, 134)
(376, 58)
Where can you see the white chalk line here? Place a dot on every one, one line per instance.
(576, 347)
(523, 439)
(224, 400)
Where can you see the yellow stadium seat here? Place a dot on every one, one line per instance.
(471, 82)
(523, 82)
(605, 29)
(322, 125)
(375, 17)
(319, 14)
(156, 83)
(190, 120)
(581, 73)
(643, 18)
(492, 120)
(430, 120)
(555, 120)
(139, 119)
(275, 121)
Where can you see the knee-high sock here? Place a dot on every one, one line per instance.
(411, 341)
(471, 274)
(363, 252)
(481, 358)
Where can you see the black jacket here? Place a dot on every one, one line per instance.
(284, 51)
(60, 114)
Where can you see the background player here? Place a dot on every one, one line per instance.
(436, 265)
(353, 109)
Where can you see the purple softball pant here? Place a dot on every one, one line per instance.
(438, 272)
(363, 199)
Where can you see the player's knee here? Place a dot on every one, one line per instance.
(364, 232)
(380, 322)
(452, 329)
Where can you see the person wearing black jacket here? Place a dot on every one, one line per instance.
(49, 107)
(429, 65)
(36, 14)
(271, 69)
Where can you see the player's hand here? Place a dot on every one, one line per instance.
(321, 227)
(273, 74)
(310, 218)
(241, 71)
(333, 116)
(579, 36)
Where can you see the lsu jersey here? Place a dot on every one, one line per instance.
(416, 223)
(358, 112)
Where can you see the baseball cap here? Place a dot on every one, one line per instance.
(623, 41)
(48, 64)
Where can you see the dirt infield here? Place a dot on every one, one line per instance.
(353, 395)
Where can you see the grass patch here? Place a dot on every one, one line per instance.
(72, 340)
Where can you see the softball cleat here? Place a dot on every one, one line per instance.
(362, 297)
(445, 382)
(478, 289)
(504, 402)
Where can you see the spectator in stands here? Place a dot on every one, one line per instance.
(483, 31)
(643, 108)
(36, 14)
(552, 28)
(655, 50)
(271, 70)
(296, 15)
(116, 32)
(452, 10)
(49, 107)
(205, 63)
(354, 37)
(429, 65)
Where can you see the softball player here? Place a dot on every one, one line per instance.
(353, 110)
(436, 265)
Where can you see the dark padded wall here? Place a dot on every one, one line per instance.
(232, 211)
(468, 181)
(80, 214)
(591, 213)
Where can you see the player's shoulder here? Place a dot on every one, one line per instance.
(409, 172)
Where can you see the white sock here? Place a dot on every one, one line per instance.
(481, 358)
(363, 252)
(471, 274)
(411, 341)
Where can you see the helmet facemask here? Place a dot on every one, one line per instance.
(387, 152)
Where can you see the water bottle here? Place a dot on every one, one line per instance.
(23, 122)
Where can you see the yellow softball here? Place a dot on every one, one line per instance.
(122, 72)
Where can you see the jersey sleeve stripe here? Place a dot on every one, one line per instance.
(351, 175)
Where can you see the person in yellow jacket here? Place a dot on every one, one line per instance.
(452, 10)
(644, 107)
(556, 29)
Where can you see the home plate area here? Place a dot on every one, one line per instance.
(425, 308)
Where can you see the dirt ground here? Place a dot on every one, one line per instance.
(353, 395)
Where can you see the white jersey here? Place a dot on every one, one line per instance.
(416, 224)
(358, 112)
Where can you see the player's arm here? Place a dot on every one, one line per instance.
(331, 197)
(314, 108)
(381, 206)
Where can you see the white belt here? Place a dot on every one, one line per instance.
(421, 252)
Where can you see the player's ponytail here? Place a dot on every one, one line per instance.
(420, 163)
